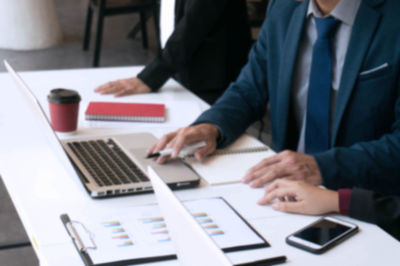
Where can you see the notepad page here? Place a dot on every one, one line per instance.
(230, 168)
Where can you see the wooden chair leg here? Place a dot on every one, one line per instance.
(99, 33)
(144, 29)
(88, 27)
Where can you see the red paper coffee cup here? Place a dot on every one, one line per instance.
(64, 108)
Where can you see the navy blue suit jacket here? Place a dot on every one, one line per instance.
(365, 137)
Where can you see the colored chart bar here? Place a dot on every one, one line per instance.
(204, 220)
(210, 226)
(112, 224)
(126, 244)
(152, 220)
(160, 232)
(217, 232)
(118, 230)
(200, 214)
(159, 226)
(121, 237)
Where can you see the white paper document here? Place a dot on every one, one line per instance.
(140, 232)
(232, 163)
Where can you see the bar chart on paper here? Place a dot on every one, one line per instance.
(208, 224)
(156, 229)
(118, 234)
(140, 232)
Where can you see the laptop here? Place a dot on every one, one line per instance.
(109, 165)
(193, 245)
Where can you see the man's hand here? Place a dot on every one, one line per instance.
(286, 164)
(188, 135)
(123, 87)
(300, 197)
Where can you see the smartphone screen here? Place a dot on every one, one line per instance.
(322, 232)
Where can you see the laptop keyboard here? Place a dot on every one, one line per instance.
(107, 163)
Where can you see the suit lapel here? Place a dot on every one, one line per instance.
(289, 56)
(363, 31)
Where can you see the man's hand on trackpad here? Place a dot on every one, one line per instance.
(177, 140)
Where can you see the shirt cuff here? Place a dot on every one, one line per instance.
(344, 200)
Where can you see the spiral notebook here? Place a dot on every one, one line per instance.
(231, 164)
(134, 112)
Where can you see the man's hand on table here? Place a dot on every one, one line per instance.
(287, 164)
(123, 87)
(185, 136)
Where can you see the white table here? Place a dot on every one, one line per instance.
(41, 188)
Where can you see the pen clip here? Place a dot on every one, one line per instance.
(76, 238)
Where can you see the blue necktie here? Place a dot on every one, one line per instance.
(319, 90)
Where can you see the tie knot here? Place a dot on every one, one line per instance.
(326, 27)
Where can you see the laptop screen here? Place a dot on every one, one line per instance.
(38, 112)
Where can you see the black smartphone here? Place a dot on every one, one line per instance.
(322, 234)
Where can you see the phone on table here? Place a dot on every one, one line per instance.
(322, 234)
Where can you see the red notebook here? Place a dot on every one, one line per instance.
(137, 112)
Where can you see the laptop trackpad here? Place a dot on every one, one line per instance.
(174, 171)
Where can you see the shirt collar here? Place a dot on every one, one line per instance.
(345, 11)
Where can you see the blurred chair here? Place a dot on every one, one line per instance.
(105, 8)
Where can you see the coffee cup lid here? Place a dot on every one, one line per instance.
(60, 96)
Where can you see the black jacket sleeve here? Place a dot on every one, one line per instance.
(378, 209)
(190, 31)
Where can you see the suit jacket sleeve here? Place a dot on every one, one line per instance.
(372, 165)
(378, 209)
(245, 100)
(199, 20)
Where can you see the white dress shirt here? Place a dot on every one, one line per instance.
(345, 12)
(167, 20)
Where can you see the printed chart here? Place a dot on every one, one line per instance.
(141, 232)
